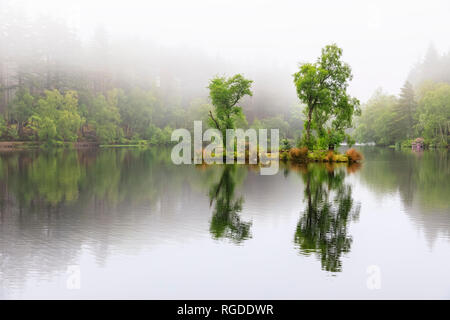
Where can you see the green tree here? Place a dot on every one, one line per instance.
(56, 116)
(3, 126)
(377, 121)
(136, 110)
(44, 127)
(225, 93)
(434, 113)
(405, 112)
(322, 87)
(105, 117)
(158, 136)
(21, 108)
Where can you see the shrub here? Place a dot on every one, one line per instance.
(330, 156)
(353, 155)
(298, 154)
(11, 133)
(317, 155)
(284, 156)
(340, 158)
(135, 138)
(285, 145)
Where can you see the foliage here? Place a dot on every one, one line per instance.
(55, 116)
(44, 126)
(326, 156)
(322, 87)
(105, 118)
(285, 145)
(387, 120)
(405, 120)
(284, 156)
(298, 154)
(225, 93)
(353, 155)
(377, 122)
(3, 126)
(21, 107)
(156, 136)
(434, 114)
(136, 110)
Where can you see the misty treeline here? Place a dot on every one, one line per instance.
(422, 108)
(55, 86)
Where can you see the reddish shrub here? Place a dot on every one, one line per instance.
(298, 154)
(353, 155)
(329, 156)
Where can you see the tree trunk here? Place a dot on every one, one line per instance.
(20, 128)
(442, 134)
(308, 127)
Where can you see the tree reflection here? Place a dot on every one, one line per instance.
(41, 181)
(422, 181)
(323, 228)
(226, 222)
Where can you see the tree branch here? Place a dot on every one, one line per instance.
(213, 119)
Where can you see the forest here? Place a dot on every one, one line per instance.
(56, 89)
(422, 108)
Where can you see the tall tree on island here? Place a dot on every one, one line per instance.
(322, 87)
(225, 93)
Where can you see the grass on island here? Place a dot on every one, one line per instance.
(303, 155)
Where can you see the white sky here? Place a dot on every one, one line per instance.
(381, 39)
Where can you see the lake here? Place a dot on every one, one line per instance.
(127, 223)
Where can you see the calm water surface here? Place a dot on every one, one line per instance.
(126, 223)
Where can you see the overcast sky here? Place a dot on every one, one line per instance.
(381, 39)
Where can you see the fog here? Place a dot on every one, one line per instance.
(194, 40)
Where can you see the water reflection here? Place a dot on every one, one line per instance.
(45, 180)
(110, 209)
(56, 205)
(422, 180)
(225, 221)
(323, 227)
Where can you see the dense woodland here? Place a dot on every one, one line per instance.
(422, 108)
(56, 88)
